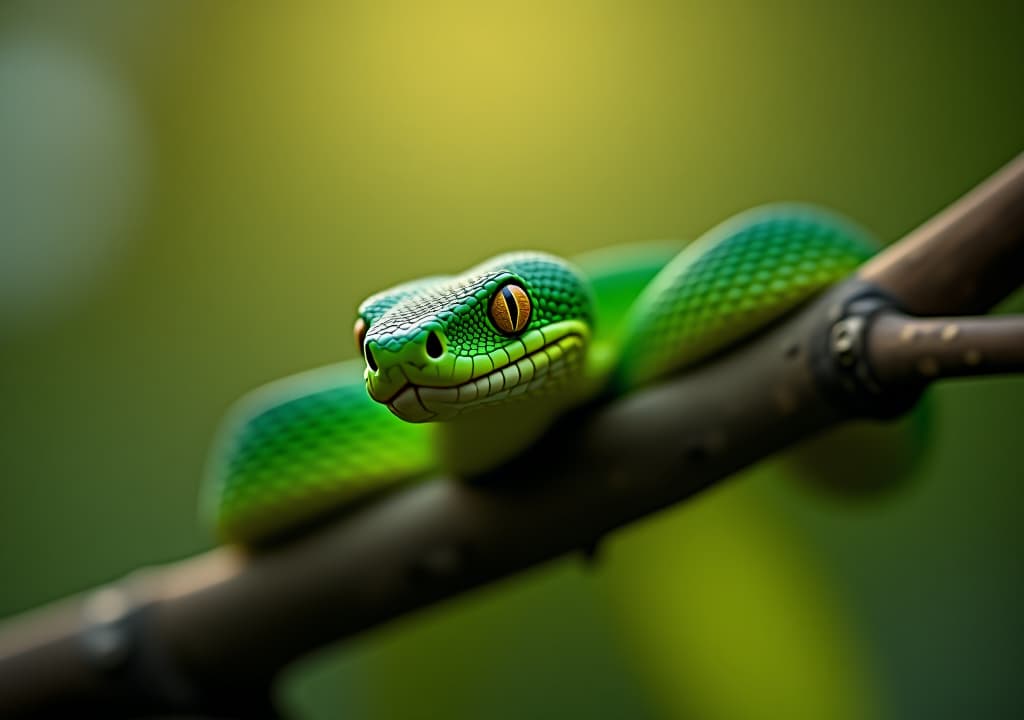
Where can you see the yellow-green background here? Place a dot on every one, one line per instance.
(195, 196)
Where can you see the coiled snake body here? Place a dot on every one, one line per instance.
(496, 353)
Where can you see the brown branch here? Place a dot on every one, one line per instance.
(903, 349)
(966, 258)
(211, 633)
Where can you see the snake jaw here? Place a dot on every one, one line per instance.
(537, 362)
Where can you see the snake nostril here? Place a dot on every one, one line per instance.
(370, 361)
(434, 347)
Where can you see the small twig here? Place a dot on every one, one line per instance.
(903, 349)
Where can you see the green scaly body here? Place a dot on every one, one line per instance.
(525, 327)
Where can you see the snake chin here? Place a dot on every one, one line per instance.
(541, 371)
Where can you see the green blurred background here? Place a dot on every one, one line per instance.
(194, 197)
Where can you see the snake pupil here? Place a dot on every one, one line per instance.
(510, 303)
(370, 362)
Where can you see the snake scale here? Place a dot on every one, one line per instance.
(459, 372)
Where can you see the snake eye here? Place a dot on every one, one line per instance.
(359, 332)
(510, 309)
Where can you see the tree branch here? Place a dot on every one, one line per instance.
(904, 350)
(966, 258)
(202, 634)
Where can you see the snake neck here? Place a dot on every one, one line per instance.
(487, 437)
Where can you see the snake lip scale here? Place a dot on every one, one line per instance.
(423, 403)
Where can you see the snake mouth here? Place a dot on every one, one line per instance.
(541, 370)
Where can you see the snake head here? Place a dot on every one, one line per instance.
(515, 326)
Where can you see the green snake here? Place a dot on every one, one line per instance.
(460, 372)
